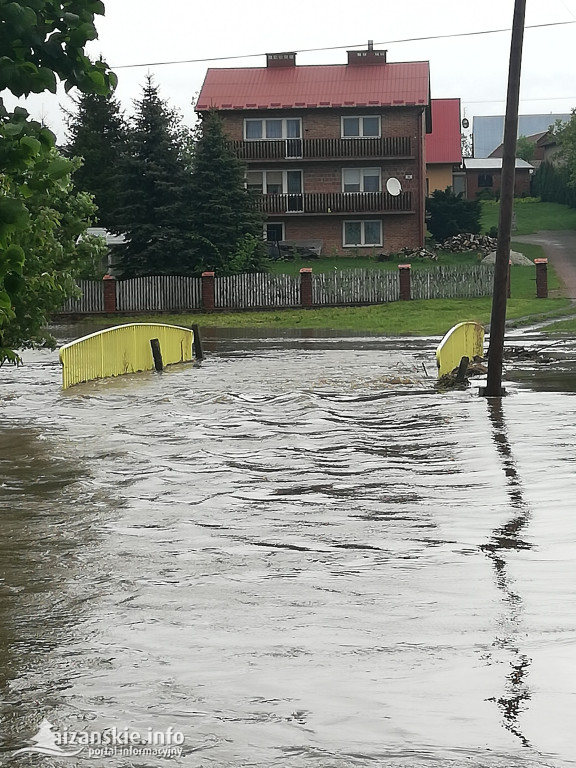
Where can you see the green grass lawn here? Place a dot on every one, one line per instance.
(400, 318)
(329, 264)
(531, 216)
(415, 318)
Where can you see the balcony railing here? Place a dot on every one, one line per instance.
(323, 149)
(336, 202)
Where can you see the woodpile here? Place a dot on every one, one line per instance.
(461, 243)
(418, 253)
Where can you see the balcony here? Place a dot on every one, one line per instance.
(324, 149)
(324, 203)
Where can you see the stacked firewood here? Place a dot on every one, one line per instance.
(418, 253)
(460, 243)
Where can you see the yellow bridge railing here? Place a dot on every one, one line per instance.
(464, 340)
(124, 349)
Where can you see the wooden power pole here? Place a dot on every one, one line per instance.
(500, 292)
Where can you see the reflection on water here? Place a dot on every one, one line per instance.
(295, 553)
(508, 537)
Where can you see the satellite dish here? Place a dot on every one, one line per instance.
(393, 186)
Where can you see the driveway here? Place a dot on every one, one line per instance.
(560, 250)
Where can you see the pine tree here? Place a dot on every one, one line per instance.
(96, 133)
(225, 218)
(155, 193)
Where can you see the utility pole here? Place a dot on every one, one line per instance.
(500, 292)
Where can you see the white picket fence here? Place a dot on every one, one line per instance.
(91, 301)
(355, 286)
(256, 291)
(172, 293)
(447, 282)
(159, 293)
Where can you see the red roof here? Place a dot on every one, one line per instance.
(298, 87)
(444, 144)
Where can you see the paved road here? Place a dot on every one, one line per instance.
(560, 249)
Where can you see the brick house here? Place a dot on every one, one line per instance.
(485, 175)
(335, 153)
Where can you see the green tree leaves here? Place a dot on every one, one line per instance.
(41, 42)
(451, 214)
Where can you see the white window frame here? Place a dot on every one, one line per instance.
(263, 120)
(284, 181)
(362, 223)
(361, 118)
(371, 172)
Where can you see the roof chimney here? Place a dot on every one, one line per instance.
(280, 59)
(367, 57)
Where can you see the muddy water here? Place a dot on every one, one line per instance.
(296, 554)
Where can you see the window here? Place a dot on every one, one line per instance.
(362, 233)
(361, 179)
(287, 183)
(274, 231)
(485, 180)
(361, 127)
(273, 128)
(275, 182)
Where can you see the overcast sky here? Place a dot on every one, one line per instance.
(473, 68)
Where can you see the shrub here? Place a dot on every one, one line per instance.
(451, 215)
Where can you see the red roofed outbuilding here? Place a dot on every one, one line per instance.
(335, 152)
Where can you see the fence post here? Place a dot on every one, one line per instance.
(109, 293)
(404, 276)
(208, 293)
(541, 278)
(306, 286)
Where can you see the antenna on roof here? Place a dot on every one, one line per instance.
(370, 45)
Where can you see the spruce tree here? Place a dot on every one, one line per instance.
(96, 133)
(226, 222)
(155, 193)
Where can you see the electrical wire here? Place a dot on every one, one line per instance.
(342, 47)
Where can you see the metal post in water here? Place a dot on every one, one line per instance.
(197, 347)
(499, 296)
(157, 354)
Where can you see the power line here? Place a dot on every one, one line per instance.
(502, 101)
(343, 47)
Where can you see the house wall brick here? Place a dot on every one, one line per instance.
(406, 230)
(398, 231)
(522, 179)
(326, 123)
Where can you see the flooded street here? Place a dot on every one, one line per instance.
(295, 554)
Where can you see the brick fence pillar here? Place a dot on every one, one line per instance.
(404, 276)
(208, 294)
(306, 287)
(109, 293)
(541, 278)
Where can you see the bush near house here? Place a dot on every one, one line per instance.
(449, 214)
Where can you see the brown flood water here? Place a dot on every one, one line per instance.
(295, 554)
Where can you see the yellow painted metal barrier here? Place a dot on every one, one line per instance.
(464, 340)
(123, 349)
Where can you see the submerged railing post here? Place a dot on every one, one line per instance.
(208, 292)
(541, 278)
(197, 347)
(405, 281)
(157, 354)
(306, 287)
(109, 293)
